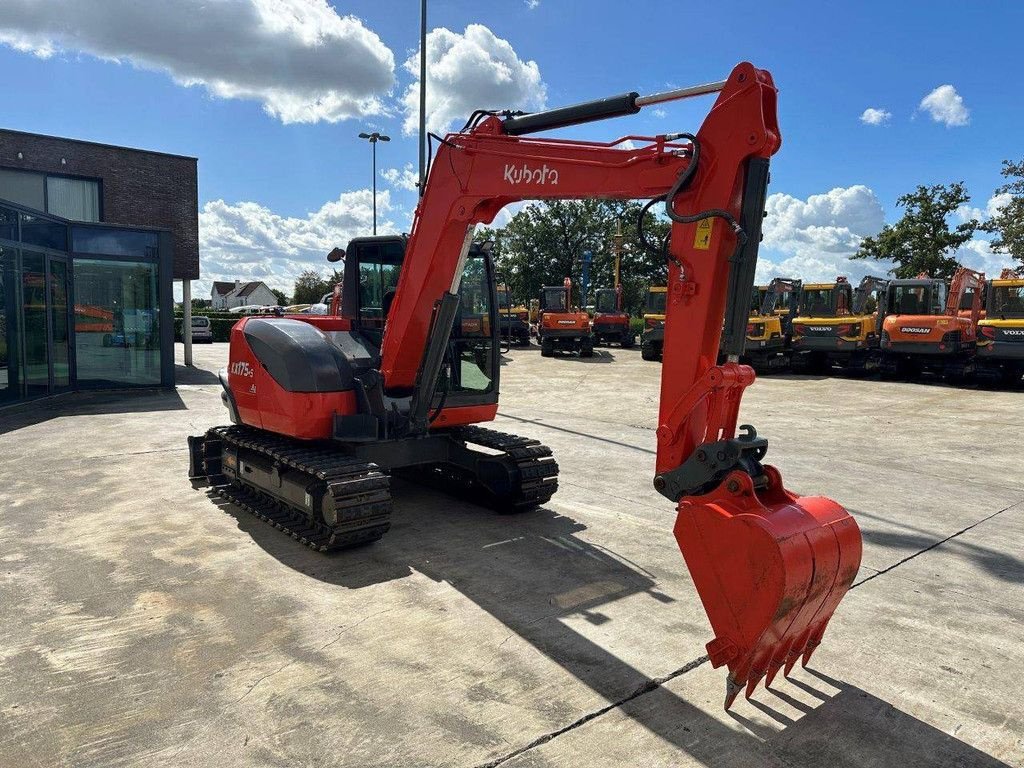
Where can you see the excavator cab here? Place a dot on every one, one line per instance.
(514, 319)
(767, 344)
(837, 325)
(653, 336)
(563, 328)
(611, 322)
(1001, 332)
(925, 329)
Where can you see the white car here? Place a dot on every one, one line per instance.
(202, 333)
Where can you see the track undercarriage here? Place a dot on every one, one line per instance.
(330, 496)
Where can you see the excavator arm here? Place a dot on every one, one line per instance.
(776, 288)
(868, 285)
(965, 279)
(770, 567)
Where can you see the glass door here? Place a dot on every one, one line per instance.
(34, 317)
(10, 359)
(59, 345)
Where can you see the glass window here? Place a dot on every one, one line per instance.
(10, 386)
(115, 242)
(8, 224)
(23, 187)
(33, 291)
(910, 300)
(656, 302)
(379, 267)
(117, 323)
(606, 301)
(816, 302)
(59, 323)
(75, 199)
(43, 232)
(1007, 301)
(556, 300)
(472, 340)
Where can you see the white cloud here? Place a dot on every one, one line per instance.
(405, 178)
(659, 113)
(248, 241)
(299, 58)
(966, 212)
(875, 116)
(468, 71)
(532, 4)
(946, 106)
(813, 238)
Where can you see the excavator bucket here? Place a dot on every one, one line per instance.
(770, 568)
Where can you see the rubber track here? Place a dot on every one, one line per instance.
(538, 471)
(361, 492)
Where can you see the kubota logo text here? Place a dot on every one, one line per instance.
(524, 174)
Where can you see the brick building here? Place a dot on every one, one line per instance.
(91, 238)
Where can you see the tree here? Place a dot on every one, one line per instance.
(309, 287)
(922, 241)
(1008, 223)
(281, 296)
(545, 241)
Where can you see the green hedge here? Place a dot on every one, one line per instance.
(220, 324)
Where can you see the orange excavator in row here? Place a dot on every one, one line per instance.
(325, 407)
(927, 329)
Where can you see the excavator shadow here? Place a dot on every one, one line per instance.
(538, 577)
(913, 541)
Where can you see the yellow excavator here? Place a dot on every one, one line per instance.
(768, 328)
(1000, 357)
(839, 326)
(653, 337)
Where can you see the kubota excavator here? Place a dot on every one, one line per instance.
(563, 328)
(925, 330)
(838, 325)
(1001, 333)
(769, 331)
(324, 407)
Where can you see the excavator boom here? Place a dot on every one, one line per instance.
(770, 567)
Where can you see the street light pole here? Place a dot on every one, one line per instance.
(373, 138)
(423, 95)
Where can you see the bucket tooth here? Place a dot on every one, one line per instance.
(732, 690)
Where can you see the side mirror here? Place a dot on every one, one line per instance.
(336, 255)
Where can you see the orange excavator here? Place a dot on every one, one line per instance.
(926, 328)
(563, 328)
(326, 407)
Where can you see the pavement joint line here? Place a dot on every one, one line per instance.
(580, 434)
(648, 686)
(939, 543)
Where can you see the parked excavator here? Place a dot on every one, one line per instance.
(653, 337)
(925, 330)
(324, 407)
(611, 321)
(1000, 338)
(562, 327)
(515, 326)
(769, 330)
(839, 326)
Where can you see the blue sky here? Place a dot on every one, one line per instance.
(273, 192)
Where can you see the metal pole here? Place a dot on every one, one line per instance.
(373, 143)
(423, 95)
(186, 319)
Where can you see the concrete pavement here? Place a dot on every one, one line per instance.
(147, 624)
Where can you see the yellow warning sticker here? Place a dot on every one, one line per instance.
(702, 240)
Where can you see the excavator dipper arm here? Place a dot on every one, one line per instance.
(770, 567)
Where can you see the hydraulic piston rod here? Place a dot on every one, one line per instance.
(601, 109)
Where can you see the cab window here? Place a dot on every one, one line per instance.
(606, 302)
(470, 367)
